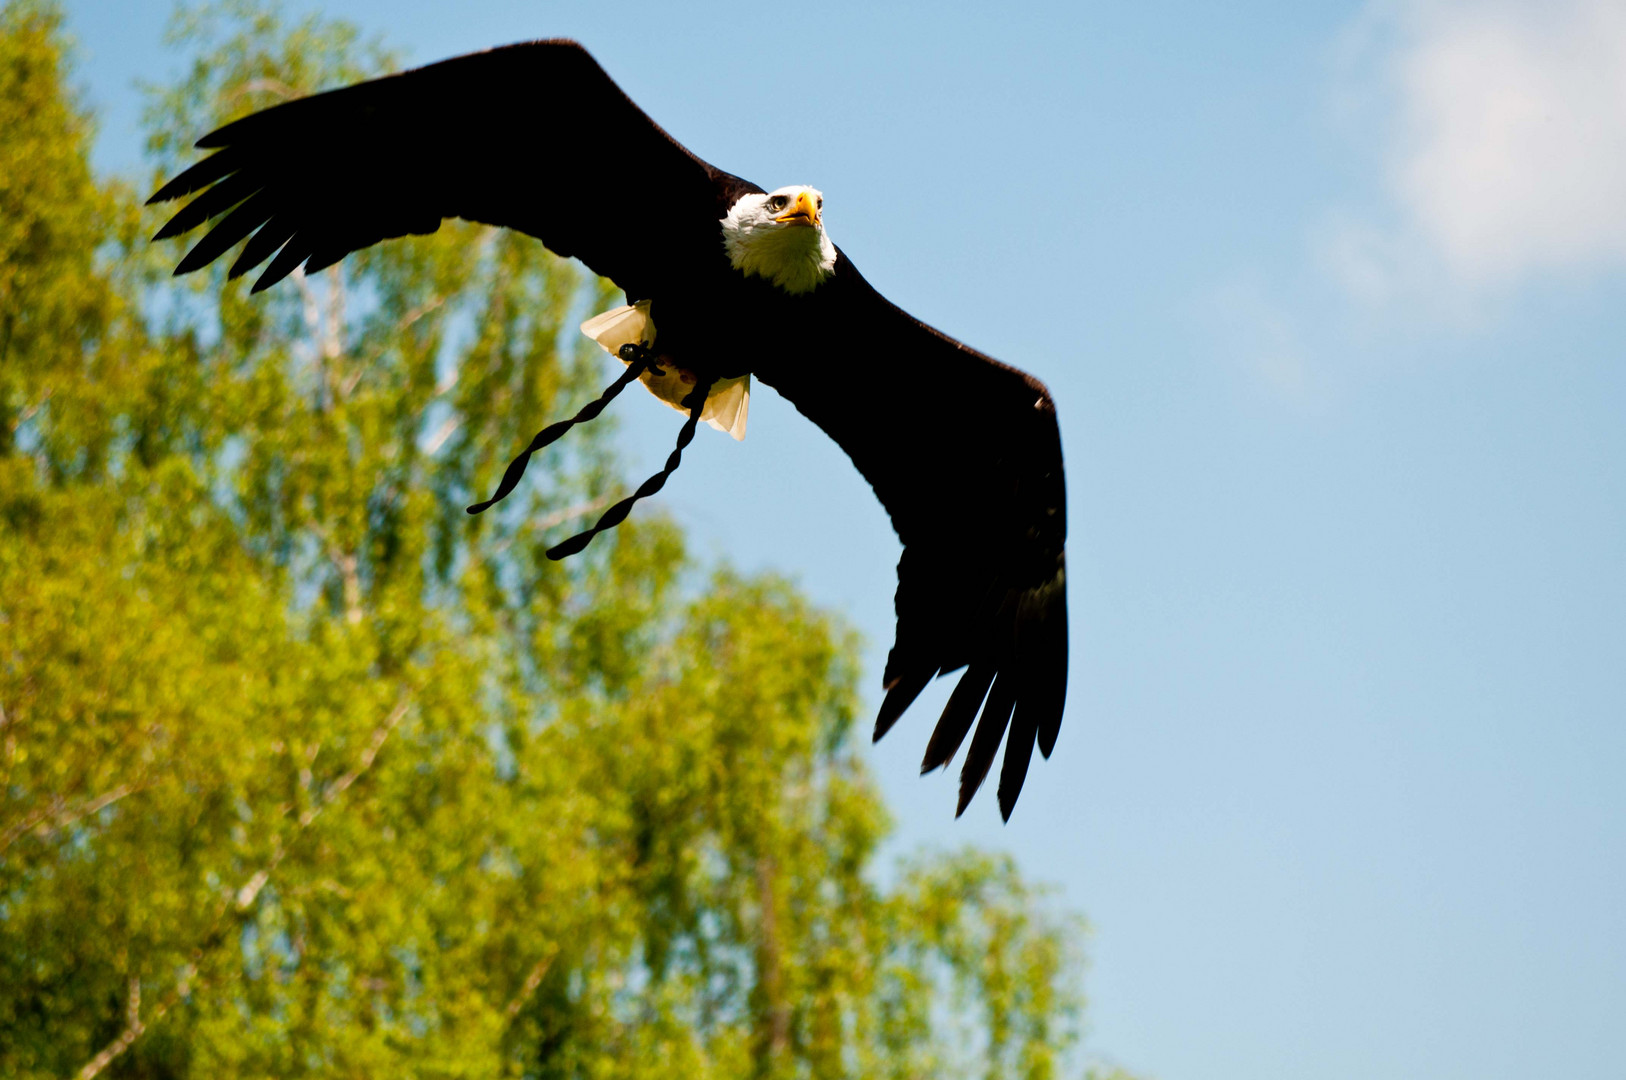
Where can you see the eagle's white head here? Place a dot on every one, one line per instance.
(780, 236)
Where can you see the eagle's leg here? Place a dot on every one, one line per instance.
(615, 515)
(639, 360)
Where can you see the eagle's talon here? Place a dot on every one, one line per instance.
(634, 352)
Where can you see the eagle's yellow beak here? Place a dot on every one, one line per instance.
(802, 212)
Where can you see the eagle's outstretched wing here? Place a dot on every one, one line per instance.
(965, 455)
(509, 137)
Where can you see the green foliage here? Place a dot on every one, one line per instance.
(305, 772)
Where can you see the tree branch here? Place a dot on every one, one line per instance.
(449, 425)
(133, 1029)
(775, 1039)
(64, 816)
(527, 989)
(558, 517)
(348, 566)
(406, 321)
(325, 344)
(570, 513)
(265, 85)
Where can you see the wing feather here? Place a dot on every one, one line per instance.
(248, 215)
(957, 716)
(216, 200)
(200, 175)
(263, 244)
(996, 714)
(294, 252)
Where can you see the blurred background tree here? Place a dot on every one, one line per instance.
(305, 772)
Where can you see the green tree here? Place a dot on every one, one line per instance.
(305, 772)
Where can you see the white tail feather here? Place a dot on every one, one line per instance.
(726, 404)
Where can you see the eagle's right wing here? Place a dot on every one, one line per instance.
(965, 454)
(515, 136)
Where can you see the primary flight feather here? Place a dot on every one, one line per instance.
(724, 281)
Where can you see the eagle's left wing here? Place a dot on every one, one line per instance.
(501, 137)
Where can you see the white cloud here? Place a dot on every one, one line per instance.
(1506, 145)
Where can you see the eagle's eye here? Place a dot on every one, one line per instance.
(821, 202)
(778, 203)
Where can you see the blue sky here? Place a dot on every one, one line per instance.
(1330, 296)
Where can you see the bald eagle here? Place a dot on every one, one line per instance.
(724, 282)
